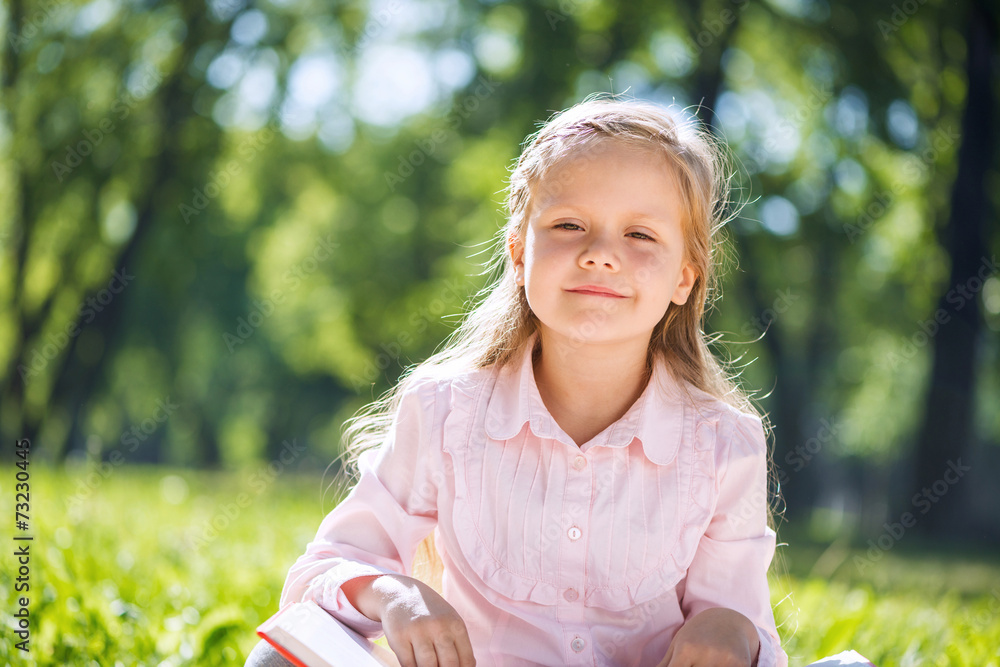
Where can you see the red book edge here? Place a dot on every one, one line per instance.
(282, 650)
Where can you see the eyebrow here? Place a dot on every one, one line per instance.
(630, 215)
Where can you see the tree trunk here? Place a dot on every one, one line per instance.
(14, 383)
(946, 432)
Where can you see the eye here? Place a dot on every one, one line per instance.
(567, 225)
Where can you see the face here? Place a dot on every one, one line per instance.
(607, 221)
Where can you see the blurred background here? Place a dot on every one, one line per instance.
(226, 226)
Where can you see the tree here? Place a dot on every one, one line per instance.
(956, 326)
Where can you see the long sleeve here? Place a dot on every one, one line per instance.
(731, 562)
(378, 526)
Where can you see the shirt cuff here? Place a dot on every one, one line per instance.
(771, 655)
(327, 591)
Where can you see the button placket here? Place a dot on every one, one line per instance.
(573, 554)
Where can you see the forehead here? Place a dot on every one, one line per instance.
(610, 173)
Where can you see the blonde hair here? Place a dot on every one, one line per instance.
(494, 332)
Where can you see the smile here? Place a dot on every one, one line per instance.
(586, 292)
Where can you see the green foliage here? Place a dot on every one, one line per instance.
(286, 266)
(906, 623)
(148, 566)
(284, 269)
(127, 570)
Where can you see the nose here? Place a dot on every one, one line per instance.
(599, 252)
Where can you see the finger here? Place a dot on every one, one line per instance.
(676, 658)
(447, 654)
(466, 656)
(404, 654)
(425, 654)
(681, 660)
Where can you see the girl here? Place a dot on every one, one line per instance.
(595, 482)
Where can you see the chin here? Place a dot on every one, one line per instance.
(591, 332)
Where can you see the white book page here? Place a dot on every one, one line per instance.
(845, 659)
(307, 625)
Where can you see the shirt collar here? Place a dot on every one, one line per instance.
(657, 418)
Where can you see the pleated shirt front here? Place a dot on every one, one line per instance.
(554, 553)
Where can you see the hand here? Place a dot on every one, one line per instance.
(421, 628)
(716, 637)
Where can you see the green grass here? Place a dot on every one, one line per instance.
(129, 576)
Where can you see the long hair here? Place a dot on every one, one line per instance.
(494, 332)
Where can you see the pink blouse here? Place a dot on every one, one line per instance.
(558, 554)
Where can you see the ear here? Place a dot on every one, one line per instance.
(686, 284)
(516, 249)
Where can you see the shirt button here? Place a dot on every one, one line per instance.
(579, 463)
(575, 533)
(571, 595)
(576, 644)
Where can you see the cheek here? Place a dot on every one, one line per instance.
(530, 260)
(650, 270)
(544, 257)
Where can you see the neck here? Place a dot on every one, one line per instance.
(589, 384)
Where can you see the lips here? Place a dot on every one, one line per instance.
(596, 290)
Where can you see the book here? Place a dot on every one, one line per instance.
(309, 636)
(845, 659)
